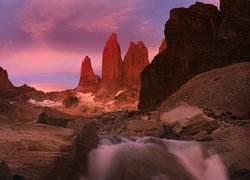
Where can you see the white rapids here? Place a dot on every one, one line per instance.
(150, 158)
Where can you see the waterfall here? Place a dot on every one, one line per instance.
(149, 158)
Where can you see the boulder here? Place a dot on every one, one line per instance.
(88, 139)
(112, 63)
(54, 117)
(5, 173)
(135, 61)
(89, 82)
(141, 128)
(200, 38)
(38, 151)
(185, 120)
(142, 125)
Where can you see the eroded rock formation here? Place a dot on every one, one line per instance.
(200, 38)
(112, 63)
(89, 82)
(135, 61)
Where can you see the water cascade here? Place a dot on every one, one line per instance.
(151, 158)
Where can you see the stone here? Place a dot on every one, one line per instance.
(38, 150)
(88, 139)
(5, 83)
(185, 120)
(232, 144)
(54, 117)
(112, 63)
(5, 173)
(89, 82)
(142, 125)
(163, 46)
(70, 101)
(135, 61)
(200, 38)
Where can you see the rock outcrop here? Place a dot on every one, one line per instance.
(4, 80)
(221, 90)
(163, 46)
(200, 38)
(38, 151)
(135, 61)
(89, 82)
(112, 63)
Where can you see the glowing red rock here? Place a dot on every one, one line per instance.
(135, 61)
(89, 82)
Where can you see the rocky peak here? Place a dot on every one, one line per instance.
(86, 69)
(206, 9)
(135, 61)
(89, 82)
(140, 45)
(113, 38)
(163, 46)
(112, 62)
(4, 80)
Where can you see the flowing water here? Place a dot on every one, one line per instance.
(148, 158)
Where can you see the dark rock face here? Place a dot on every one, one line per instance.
(89, 82)
(112, 63)
(4, 80)
(4, 171)
(135, 61)
(163, 46)
(200, 38)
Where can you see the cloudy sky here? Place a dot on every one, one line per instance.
(44, 41)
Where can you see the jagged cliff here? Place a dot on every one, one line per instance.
(199, 38)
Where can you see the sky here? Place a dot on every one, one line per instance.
(43, 42)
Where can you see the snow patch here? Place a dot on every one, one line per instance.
(110, 102)
(86, 98)
(119, 92)
(45, 103)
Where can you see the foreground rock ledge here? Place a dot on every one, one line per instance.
(37, 151)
